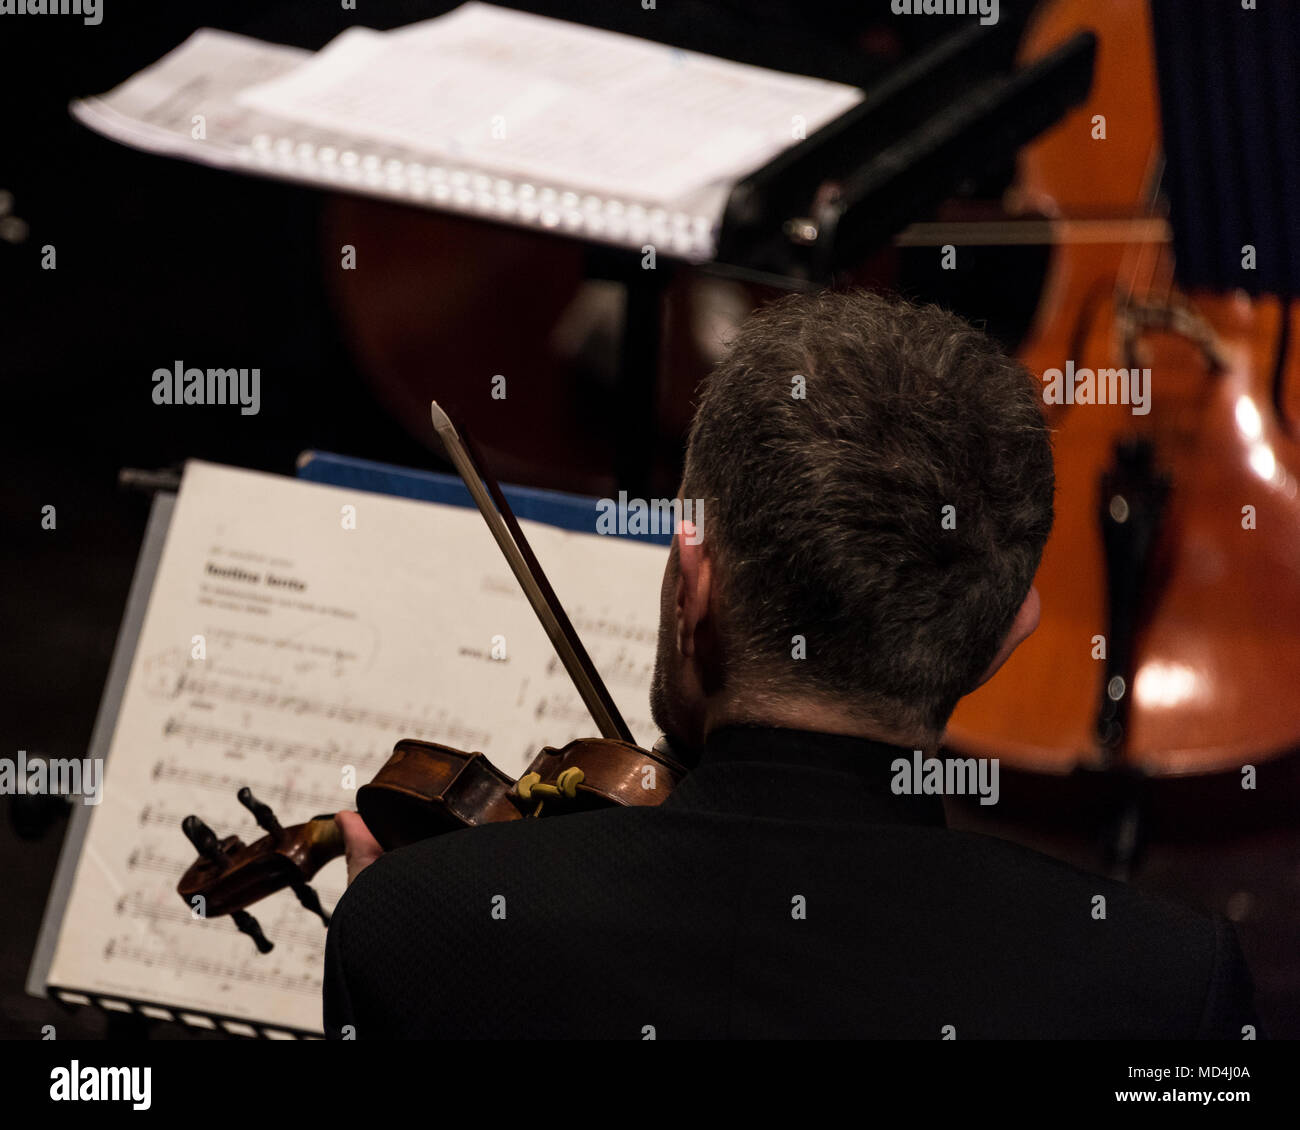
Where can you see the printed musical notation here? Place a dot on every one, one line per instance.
(137, 905)
(146, 859)
(261, 974)
(623, 667)
(447, 730)
(301, 695)
(285, 797)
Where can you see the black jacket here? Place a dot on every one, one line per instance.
(685, 921)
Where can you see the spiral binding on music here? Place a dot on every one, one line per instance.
(489, 196)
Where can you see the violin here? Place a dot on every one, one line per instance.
(426, 789)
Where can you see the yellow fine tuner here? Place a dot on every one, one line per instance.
(566, 784)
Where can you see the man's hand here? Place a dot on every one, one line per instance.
(360, 847)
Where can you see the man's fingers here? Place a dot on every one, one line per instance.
(360, 847)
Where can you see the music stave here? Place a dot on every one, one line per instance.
(441, 728)
(293, 799)
(165, 914)
(146, 859)
(331, 752)
(252, 972)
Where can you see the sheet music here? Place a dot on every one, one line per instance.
(542, 98)
(321, 647)
(486, 112)
(163, 107)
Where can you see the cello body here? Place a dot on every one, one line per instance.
(1212, 610)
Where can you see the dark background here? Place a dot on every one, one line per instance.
(159, 259)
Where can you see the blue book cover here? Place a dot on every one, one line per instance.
(556, 508)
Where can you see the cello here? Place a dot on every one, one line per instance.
(1171, 583)
(426, 789)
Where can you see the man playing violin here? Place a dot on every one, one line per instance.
(878, 488)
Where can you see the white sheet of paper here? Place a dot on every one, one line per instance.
(390, 636)
(185, 104)
(533, 97)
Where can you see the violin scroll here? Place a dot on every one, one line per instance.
(230, 875)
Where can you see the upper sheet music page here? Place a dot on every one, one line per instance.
(556, 103)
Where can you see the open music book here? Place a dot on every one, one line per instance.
(294, 633)
(513, 117)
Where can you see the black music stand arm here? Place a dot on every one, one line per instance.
(634, 420)
(962, 144)
(759, 204)
(880, 166)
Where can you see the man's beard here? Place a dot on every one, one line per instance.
(660, 698)
(661, 683)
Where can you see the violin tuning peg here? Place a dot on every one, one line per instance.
(249, 925)
(311, 900)
(261, 812)
(203, 838)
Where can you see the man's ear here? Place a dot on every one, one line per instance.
(1022, 627)
(694, 586)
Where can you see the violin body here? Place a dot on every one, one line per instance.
(426, 788)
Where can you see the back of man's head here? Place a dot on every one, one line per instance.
(877, 479)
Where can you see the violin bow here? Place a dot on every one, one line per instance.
(528, 572)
